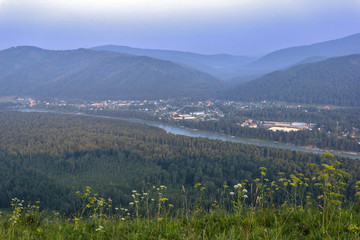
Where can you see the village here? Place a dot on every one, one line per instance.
(179, 110)
(208, 110)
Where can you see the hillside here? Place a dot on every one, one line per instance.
(220, 65)
(287, 57)
(334, 81)
(92, 74)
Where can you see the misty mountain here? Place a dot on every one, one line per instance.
(93, 74)
(333, 81)
(284, 58)
(220, 65)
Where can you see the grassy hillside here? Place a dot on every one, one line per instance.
(247, 210)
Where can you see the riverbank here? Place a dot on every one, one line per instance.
(217, 136)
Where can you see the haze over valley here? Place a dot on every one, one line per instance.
(179, 119)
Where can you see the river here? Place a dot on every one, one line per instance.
(218, 136)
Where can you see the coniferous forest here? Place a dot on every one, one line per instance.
(85, 177)
(48, 157)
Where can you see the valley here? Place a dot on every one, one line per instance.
(315, 126)
(116, 142)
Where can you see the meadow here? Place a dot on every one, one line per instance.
(251, 209)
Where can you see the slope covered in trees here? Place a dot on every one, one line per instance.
(220, 65)
(50, 156)
(287, 57)
(334, 81)
(87, 74)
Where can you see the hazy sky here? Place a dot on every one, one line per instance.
(244, 27)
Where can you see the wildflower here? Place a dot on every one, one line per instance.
(126, 209)
(134, 191)
(131, 203)
(145, 194)
(245, 196)
(232, 193)
(123, 219)
(244, 190)
(133, 196)
(162, 186)
(152, 200)
(238, 186)
(100, 228)
(116, 209)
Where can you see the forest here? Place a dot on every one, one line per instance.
(48, 157)
(334, 81)
(332, 124)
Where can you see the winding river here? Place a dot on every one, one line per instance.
(218, 136)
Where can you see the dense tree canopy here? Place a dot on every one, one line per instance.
(47, 157)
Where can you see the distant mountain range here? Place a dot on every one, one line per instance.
(333, 81)
(94, 74)
(288, 57)
(220, 65)
(237, 69)
(302, 74)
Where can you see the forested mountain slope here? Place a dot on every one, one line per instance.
(334, 81)
(220, 65)
(287, 57)
(88, 74)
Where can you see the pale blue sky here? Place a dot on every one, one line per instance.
(244, 27)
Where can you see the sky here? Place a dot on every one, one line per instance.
(240, 27)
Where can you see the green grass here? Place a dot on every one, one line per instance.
(262, 223)
(259, 209)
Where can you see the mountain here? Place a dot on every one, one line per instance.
(333, 81)
(288, 57)
(94, 74)
(220, 65)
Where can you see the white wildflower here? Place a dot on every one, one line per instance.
(232, 193)
(244, 190)
(237, 186)
(100, 228)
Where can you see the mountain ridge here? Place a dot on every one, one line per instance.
(87, 73)
(283, 58)
(219, 65)
(334, 81)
